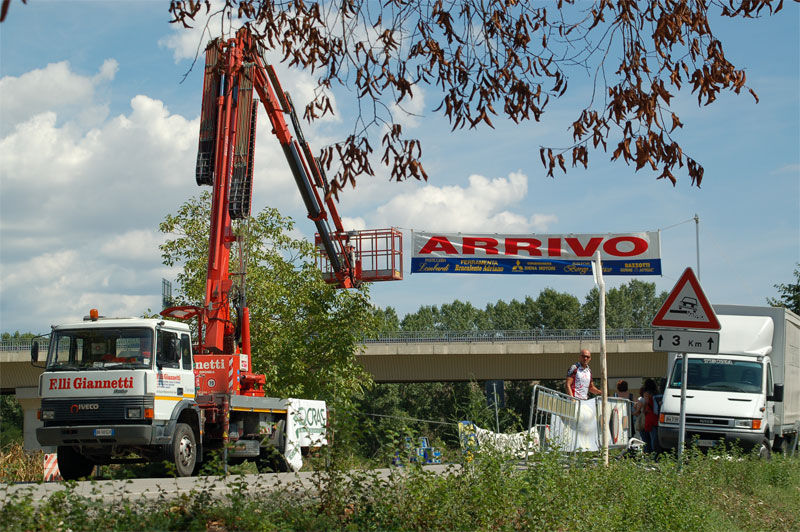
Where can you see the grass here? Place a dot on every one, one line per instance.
(490, 493)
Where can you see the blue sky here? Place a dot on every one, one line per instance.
(98, 137)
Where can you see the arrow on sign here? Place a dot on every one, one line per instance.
(683, 341)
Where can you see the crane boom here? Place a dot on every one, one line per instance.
(236, 68)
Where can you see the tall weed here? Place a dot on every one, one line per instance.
(18, 466)
(492, 492)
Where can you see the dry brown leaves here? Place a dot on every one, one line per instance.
(503, 58)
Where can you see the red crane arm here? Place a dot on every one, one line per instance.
(234, 69)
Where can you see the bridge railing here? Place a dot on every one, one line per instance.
(23, 345)
(530, 335)
(418, 337)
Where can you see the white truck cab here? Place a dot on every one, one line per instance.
(113, 386)
(131, 390)
(747, 393)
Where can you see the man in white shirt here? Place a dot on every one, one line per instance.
(579, 378)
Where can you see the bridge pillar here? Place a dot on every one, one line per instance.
(30, 402)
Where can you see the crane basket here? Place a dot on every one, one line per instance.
(377, 255)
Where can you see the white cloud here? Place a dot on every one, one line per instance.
(81, 202)
(482, 206)
(353, 224)
(793, 168)
(54, 88)
(132, 245)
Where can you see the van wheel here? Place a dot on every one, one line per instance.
(183, 450)
(781, 446)
(765, 450)
(73, 465)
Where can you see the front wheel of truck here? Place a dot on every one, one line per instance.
(73, 465)
(765, 449)
(183, 450)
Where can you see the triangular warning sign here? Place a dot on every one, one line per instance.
(686, 306)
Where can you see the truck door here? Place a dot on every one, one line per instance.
(175, 378)
(769, 391)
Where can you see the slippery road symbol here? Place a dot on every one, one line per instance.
(688, 306)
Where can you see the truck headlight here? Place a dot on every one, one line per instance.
(48, 414)
(672, 418)
(753, 424)
(134, 413)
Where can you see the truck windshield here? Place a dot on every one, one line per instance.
(101, 348)
(719, 374)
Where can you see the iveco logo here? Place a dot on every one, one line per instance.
(706, 421)
(74, 409)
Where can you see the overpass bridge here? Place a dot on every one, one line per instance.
(435, 356)
(438, 356)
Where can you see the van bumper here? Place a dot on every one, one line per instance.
(668, 437)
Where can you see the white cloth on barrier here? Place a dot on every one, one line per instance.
(577, 435)
(519, 444)
(583, 434)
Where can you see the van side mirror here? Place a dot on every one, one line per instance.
(34, 352)
(777, 394)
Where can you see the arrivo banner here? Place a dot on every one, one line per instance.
(621, 254)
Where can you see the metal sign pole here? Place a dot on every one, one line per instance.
(603, 367)
(682, 423)
(496, 414)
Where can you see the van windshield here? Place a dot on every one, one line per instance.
(719, 374)
(101, 348)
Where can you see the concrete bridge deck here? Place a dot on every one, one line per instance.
(430, 356)
(509, 355)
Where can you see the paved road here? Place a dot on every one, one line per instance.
(151, 489)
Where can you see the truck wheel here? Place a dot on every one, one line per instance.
(765, 449)
(73, 465)
(183, 450)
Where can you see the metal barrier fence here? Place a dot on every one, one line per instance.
(569, 425)
(417, 337)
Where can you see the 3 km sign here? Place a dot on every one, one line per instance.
(686, 308)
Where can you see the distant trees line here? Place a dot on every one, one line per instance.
(629, 306)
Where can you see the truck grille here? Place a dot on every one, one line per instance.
(93, 411)
(709, 421)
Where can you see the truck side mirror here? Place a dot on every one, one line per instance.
(777, 394)
(34, 352)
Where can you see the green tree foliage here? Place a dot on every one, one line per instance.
(305, 333)
(459, 316)
(558, 310)
(789, 293)
(6, 336)
(629, 306)
(388, 321)
(11, 420)
(425, 319)
(391, 411)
